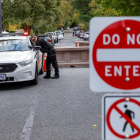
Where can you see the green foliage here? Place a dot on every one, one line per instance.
(86, 26)
(115, 8)
(75, 19)
(29, 12)
(66, 14)
(32, 33)
(98, 9)
(82, 6)
(124, 7)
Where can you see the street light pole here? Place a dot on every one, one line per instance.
(0, 21)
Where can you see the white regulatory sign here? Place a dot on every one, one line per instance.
(121, 117)
(115, 54)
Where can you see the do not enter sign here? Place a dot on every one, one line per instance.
(115, 54)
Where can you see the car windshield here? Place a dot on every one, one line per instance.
(14, 45)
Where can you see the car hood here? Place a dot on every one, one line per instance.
(14, 56)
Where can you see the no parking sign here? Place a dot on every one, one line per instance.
(115, 54)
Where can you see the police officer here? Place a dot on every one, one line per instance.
(51, 56)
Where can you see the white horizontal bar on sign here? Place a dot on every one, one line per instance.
(118, 55)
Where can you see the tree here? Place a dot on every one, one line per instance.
(66, 14)
(124, 7)
(115, 8)
(29, 12)
(83, 7)
(99, 9)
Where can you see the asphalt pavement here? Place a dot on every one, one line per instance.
(55, 109)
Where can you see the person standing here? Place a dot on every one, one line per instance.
(51, 56)
(73, 34)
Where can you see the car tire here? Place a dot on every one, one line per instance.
(42, 68)
(35, 80)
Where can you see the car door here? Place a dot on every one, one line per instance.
(38, 56)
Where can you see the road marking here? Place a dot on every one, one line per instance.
(26, 132)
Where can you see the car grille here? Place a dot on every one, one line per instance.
(7, 79)
(4, 68)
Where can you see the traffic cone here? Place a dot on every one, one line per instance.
(45, 56)
(77, 44)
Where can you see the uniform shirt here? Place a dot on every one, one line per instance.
(45, 45)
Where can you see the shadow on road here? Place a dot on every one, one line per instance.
(14, 86)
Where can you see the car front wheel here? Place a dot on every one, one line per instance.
(42, 67)
(35, 80)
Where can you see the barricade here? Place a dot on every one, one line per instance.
(77, 44)
(82, 43)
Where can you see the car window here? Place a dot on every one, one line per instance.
(14, 45)
(58, 33)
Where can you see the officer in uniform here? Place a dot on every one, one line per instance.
(51, 56)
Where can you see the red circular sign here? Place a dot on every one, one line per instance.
(119, 37)
(114, 106)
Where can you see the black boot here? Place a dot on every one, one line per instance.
(56, 76)
(47, 76)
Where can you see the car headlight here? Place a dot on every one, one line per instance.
(26, 62)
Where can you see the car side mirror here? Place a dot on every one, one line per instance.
(30, 47)
(37, 47)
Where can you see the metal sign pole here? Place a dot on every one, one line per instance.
(0, 21)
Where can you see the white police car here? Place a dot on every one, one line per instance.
(20, 60)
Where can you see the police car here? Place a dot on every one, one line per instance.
(20, 60)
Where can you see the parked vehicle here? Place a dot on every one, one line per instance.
(76, 33)
(86, 36)
(48, 37)
(20, 60)
(54, 36)
(59, 31)
(81, 35)
(5, 32)
(60, 35)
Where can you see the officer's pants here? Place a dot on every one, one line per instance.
(51, 58)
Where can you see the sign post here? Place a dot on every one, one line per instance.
(115, 67)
